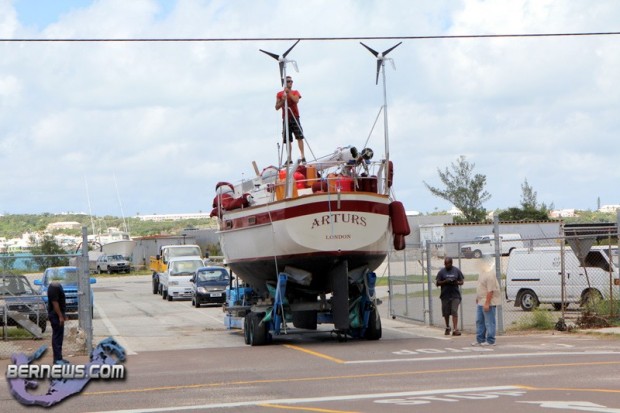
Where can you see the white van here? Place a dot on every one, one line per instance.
(485, 245)
(534, 277)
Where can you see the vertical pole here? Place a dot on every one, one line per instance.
(498, 272)
(84, 303)
(428, 280)
(562, 269)
(406, 283)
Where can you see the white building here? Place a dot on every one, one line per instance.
(609, 208)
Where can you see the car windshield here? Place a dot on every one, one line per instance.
(15, 285)
(213, 274)
(65, 276)
(115, 257)
(185, 267)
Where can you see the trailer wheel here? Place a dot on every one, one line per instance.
(169, 296)
(529, 300)
(246, 329)
(258, 333)
(373, 331)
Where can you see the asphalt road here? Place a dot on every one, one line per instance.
(184, 359)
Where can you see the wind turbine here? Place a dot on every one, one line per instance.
(282, 61)
(381, 65)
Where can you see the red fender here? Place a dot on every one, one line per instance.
(398, 216)
(399, 242)
(390, 174)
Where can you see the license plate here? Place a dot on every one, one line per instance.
(71, 301)
(216, 294)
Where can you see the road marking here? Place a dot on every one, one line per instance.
(571, 389)
(348, 397)
(314, 353)
(583, 406)
(348, 377)
(477, 356)
(305, 409)
(113, 331)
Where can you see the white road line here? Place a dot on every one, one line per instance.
(480, 354)
(113, 331)
(416, 333)
(363, 396)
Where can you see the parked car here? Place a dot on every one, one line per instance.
(209, 285)
(111, 264)
(68, 277)
(21, 301)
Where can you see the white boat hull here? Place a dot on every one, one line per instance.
(313, 233)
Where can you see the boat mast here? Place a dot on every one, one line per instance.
(282, 61)
(381, 68)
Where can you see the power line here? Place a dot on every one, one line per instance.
(356, 38)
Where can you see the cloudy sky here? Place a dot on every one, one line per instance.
(151, 127)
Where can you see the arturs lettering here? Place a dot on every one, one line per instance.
(341, 218)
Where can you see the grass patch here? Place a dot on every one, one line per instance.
(15, 333)
(538, 319)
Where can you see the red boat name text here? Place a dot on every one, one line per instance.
(339, 218)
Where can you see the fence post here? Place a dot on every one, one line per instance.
(428, 280)
(498, 272)
(84, 303)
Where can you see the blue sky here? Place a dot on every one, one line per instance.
(170, 120)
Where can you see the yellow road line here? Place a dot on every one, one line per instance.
(305, 409)
(351, 376)
(314, 353)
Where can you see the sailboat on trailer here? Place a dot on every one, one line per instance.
(322, 223)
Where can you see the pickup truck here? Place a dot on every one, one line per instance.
(159, 263)
(175, 282)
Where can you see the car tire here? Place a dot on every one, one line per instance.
(477, 254)
(528, 300)
(196, 303)
(164, 294)
(98, 270)
(373, 331)
(591, 297)
(169, 297)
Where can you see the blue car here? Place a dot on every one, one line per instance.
(209, 286)
(68, 277)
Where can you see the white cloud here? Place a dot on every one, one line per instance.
(184, 115)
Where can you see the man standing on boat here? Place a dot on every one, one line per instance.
(291, 97)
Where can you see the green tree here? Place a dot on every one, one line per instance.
(463, 189)
(48, 252)
(530, 209)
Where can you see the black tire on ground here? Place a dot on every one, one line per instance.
(373, 332)
(246, 329)
(477, 254)
(195, 302)
(109, 271)
(529, 300)
(591, 297)
(169, 297)
(258, 333)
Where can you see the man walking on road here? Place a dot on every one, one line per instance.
(449, 279)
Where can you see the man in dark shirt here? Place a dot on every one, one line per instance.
(56, 307)
(449, 279)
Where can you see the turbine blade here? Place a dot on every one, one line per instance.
(282, 73)
(275, 56)
(370, 50)
(291, 48)
(379, 62)
(390, 49)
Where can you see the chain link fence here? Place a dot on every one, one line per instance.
(23, 304)
(562, 282)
